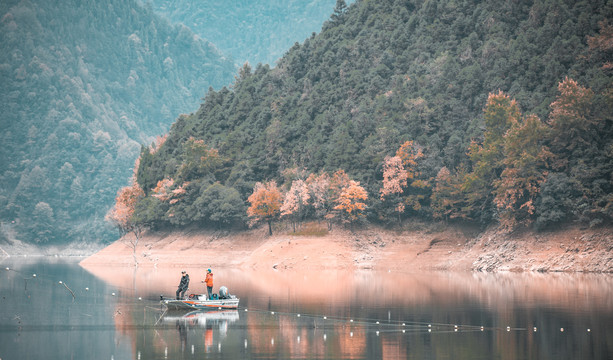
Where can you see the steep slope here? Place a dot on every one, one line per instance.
(84, 83)
(380, 74)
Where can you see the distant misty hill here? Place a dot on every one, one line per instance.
(257, 31)
(84, 84)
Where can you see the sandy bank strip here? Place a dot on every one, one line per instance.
(570, 250)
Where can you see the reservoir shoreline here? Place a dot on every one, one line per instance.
(452, 248)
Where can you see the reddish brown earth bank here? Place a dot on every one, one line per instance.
(417, 247)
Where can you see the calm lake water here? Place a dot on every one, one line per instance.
(114, 313)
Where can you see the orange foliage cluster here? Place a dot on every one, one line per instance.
(319, 186)
(265, 201)
(603, 43)
(394, 176)
(157, 144)
(397, 171)
(296, 198)
(162, 189)
(350, 200)
(409, 153)
(323, 193)
(125, 203)
(504, 174)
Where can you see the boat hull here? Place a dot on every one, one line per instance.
(198, 304)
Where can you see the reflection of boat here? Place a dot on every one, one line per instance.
(200, 302)
(201, 317)
(207, 319)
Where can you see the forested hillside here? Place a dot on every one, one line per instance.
(257, 31)
(84, 83)
(486, 111)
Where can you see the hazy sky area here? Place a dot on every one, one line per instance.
(257, 31)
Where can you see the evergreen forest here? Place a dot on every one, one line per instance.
(491, 112)
(84, 83)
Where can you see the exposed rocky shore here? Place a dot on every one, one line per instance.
(421, 248)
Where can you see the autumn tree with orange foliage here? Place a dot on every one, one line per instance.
(338, 182)
(525, 163)
(157, 144)
(582, 147)
(574, 129)
(486, 157)
(296, 201)
(162, 190)
(265, 201)
(601, 45)
(394, 181)
(350, 202)
(320, 194)
(122, 215)
(324, 190)
(401, 184)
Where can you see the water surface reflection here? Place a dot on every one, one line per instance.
(366, 314)
(115, 313)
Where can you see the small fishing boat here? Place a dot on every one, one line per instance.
(200, 302)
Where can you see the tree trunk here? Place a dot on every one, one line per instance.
(269, 227)
(134, 244)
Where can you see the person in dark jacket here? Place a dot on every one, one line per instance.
(183, 285)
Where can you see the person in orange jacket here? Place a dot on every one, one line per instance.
(209, 283)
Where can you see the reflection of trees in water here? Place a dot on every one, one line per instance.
(546, 301)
